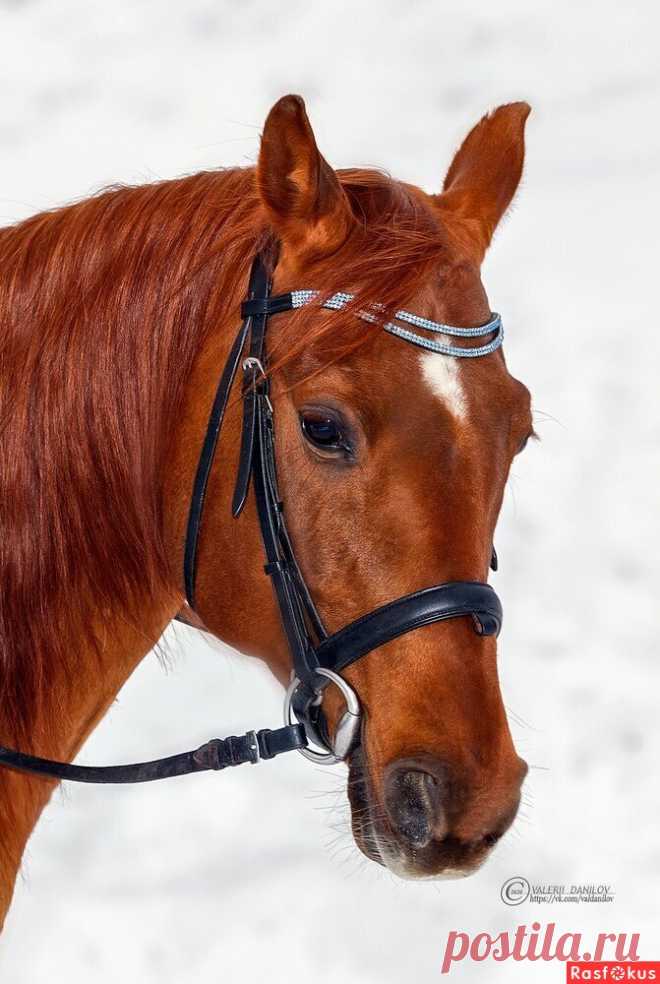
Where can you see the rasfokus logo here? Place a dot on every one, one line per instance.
(603, 971)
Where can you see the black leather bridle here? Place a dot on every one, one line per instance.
(317, 657)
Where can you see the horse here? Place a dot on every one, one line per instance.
(116, 314)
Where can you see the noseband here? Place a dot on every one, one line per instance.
(317, 657)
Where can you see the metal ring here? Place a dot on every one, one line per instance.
(352, 708)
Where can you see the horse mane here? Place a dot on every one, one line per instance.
(104, 305)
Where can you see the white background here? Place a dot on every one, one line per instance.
(252, 875)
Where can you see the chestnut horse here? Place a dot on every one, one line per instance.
(116, 316)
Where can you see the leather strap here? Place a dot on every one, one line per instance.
(206, 462)
(217, 754)
(444, 601)
(259, 287)
(266, 305)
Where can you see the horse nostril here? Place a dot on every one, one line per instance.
(413, 804)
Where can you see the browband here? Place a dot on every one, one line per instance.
(299, 298)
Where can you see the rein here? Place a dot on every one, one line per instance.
(317, 657)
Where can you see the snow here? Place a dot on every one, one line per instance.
(251, 874)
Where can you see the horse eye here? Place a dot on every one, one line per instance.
(323, 431)
(523, 443)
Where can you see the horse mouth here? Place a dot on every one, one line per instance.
(448, 858)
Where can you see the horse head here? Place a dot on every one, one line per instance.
(392, 459)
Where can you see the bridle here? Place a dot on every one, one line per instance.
(317, 657)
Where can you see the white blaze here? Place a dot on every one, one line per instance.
(442, 374)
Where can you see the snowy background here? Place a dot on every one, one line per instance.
(251, 875)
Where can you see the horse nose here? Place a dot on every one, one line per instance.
(418, 801)
(426, 801)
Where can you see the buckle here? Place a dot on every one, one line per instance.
(253, 363)
(253, 747)
(276, 567)
(260, 379)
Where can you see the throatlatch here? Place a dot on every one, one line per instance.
(317, 658)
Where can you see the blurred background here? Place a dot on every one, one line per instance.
(252, 874)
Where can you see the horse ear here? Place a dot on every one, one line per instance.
(486, 171)
(302, 195)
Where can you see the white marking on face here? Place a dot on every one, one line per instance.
(442, 374)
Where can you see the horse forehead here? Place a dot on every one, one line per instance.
(389, 379)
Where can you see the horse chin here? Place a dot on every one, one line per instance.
(376, 841)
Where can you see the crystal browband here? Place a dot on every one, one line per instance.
(299, 298)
